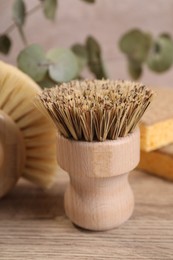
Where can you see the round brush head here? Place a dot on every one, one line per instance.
(96, 109)
(17, 92)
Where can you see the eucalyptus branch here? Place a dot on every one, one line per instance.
(13, 25)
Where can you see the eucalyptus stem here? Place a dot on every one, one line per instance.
(45, 64)
(13, 25)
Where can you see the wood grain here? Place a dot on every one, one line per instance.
(99, 196)
(99, 159)
(33, 225)
(12, 153)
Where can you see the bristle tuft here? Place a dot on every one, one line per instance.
(96, 109)
(17, 94)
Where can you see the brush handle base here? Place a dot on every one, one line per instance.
(99, 196)
(99, 203)
(12, 153)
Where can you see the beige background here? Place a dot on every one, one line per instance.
(106, 20)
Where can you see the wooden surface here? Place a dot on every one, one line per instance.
(33, 225)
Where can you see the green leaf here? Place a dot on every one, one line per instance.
(81, 54)
(5, 44)
(19, 12)
(89, 1)
(47, 82)
(95, 61)
(49, 8)
(166, 35)
(63, 65)
(160, 58)
(136, 44)
(135, 69)
(33, 62)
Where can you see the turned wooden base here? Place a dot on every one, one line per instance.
(99, 196)
(12, 153)
(99, 203)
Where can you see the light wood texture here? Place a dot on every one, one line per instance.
(99, 196)
(12, 153)
(33, 225)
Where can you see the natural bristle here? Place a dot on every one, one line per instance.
(17, 92)
(96, 109)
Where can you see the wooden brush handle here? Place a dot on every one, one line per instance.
(99, 203)
(12, 153)
(99, 196)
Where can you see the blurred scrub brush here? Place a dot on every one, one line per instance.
(96, 109)
(27, 139)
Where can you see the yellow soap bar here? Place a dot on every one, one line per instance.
(159, 162)
(157, 123)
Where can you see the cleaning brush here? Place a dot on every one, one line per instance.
(27, 139)
(97, 144)
(97, 109)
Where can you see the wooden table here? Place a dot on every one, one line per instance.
(33, 225)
